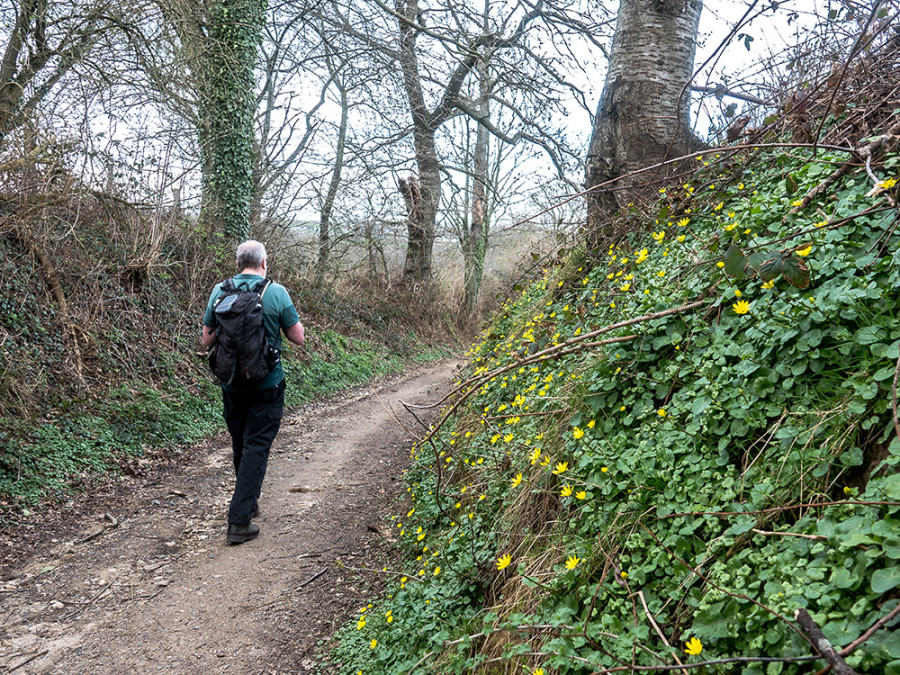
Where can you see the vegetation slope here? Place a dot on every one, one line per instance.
(101, 367)
(663, 449)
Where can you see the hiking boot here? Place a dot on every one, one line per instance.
(238, 534)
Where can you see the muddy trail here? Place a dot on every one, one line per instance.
(137, 578)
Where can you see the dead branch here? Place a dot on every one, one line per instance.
(861, 153)
(821, 643)
(51, 278)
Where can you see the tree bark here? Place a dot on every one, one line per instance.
(331, 195)
(422, 197)
(642, 117)
(476, 241)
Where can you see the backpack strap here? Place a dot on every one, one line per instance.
(261, 287)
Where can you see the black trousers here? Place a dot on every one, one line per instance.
(253, 419)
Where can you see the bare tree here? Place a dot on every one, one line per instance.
(438, 49)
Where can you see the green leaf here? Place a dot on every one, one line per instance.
(842, 578)
(771, 268)
(735, 262)
(891, 547)
(868, 335)
(796, 272)
(791, 184)
(886, 579)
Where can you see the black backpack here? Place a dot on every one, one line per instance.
(241, 355)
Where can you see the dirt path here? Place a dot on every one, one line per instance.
(139, 579)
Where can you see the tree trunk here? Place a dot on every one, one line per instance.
(476, 241)
(331, 195)
(642, 117)
(226, 113)
(422, 197)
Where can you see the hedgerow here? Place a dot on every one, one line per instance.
(662, 452)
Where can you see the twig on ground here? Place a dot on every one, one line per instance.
(653, 623)
(311, 579)
(31, 658)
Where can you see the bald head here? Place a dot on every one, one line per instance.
(251, 255)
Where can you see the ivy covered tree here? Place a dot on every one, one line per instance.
(226, 107)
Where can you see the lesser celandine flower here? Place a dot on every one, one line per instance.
(572, 561)
(503, 561)
(805, 251)
(694, 646)
(515, 481)
(561, 468)
(741, 307)
(578, 432)
(581, 494)
(566, 491)
(373, 643)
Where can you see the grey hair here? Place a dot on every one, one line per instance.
(251, 254)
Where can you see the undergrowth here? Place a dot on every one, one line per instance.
(67, 449)
(674, 489)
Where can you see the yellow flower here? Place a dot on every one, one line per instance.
(591, 424)
(887, 183)
(535, 455)
(604, 469)
(571, 562)
(538, 671)
(741, 307)
(680, 237)
(437, 570)
(566, 491)
(720, 264)
(796, 202)
(769, 284)
(683, 222)
(624, 574)
(360, 624)
(718, 207)
(508, 438)
(659, 236)
(515, 481)
(578, 432)
(662, 412)
(625, 287)
(804, 252)
(373, 643)
(821, 223)
(661, 273)
(642, 256)
(389, 616)
(737, 293)
(694, 646)
(581, 494)
(561, 468)
(503, 561)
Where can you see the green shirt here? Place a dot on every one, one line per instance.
(278, 314)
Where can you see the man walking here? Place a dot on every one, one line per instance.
(253, 411)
